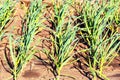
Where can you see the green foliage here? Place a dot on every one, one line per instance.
(6, 8)
(98, 22)
(97, 18)
(62, 38)
(21, 50)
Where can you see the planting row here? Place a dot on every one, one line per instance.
(94, 23)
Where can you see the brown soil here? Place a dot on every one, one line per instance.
(36, 70)
(39, 71)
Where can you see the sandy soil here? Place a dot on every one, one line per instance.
(36, 70)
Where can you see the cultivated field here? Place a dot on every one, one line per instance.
(59, 39)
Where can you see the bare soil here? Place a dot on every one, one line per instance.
(36, 70)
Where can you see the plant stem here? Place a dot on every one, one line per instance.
(14, 76)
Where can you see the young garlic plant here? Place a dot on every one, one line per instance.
(63, 40)
(21, 50)
(96, 18)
